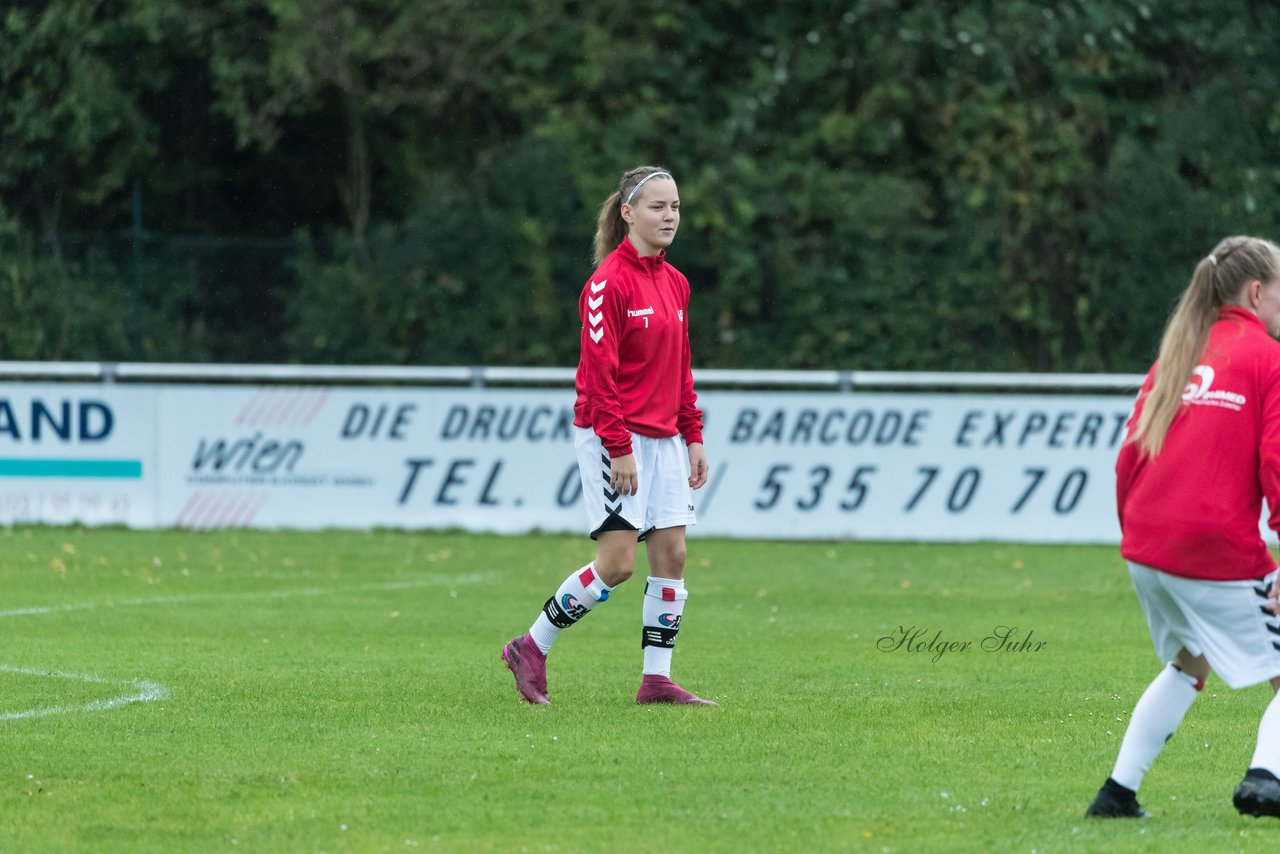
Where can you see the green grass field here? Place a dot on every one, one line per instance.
(342, 691)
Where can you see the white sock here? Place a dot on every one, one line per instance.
(664, 600)
(1155, 717)
(579, 593)
(1267, 753)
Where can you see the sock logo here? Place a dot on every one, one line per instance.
(572, 607)
(658, 636)
(671, 621)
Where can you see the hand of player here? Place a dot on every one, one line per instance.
(623, 476)
(1274, 596)
(697, 465)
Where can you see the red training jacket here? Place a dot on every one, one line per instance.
(1193, 510)
(634, 371)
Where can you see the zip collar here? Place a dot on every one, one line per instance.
(650, 263)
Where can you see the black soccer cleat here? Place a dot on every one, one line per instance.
(1115, 801)
(1258, 794)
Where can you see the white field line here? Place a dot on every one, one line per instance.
(145, 691)
(179, 599)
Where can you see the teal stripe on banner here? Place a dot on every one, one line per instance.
(70, 468)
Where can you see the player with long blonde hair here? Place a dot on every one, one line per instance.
(1201, 453)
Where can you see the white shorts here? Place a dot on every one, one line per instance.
(1225, 621)
(664, 499)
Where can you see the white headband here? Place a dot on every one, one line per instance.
(637, 187)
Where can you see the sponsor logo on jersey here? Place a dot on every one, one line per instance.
(1199, 391)
(639, 312)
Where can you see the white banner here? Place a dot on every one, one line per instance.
(492, 460)
(1031, 468)
(81, 453)
(914, 466)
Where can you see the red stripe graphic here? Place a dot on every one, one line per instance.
(300, 402)
(251, 510)
(205, 510)
(288, 402)
(186, 517)
(219, 512)
(181, 521)
(286, 407)
(217, 507)
(200, 511)
(200, 519)
(279, 399)
(320, 399)
(229, 507)
(247, 408)
(258, 403)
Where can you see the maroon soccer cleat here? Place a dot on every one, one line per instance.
(529, 665)
(660, 689)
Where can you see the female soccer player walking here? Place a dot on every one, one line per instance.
(638, 435)
(1201, 452)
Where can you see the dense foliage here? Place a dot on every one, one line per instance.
(874, 184)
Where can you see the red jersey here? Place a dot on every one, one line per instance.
(634, 371)
(1194, 509)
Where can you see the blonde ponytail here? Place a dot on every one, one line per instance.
(1216, 282)
(610, 227)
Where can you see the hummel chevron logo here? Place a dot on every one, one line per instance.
(594, 317)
